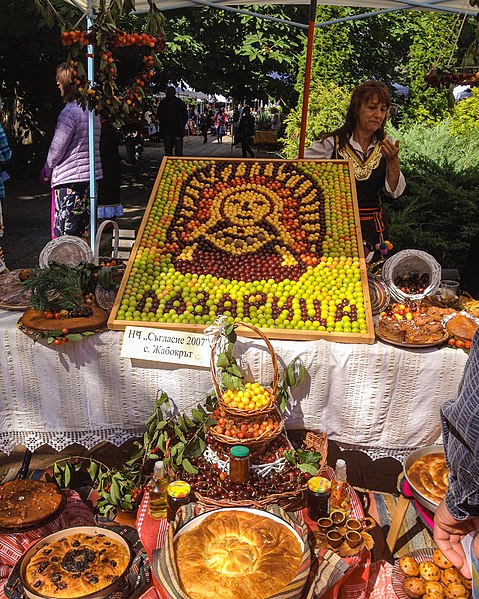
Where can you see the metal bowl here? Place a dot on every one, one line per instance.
(409, 461)
(88, 530)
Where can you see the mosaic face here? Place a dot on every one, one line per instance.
(272, 243)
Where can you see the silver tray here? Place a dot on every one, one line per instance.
(408, 462)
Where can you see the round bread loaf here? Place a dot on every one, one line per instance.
(429, 475)
(76, 565)
(24, 503)
(429, 571)
(408, 566)
(441, 560)
(234, 554)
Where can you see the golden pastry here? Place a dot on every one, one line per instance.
(414, 587)
(456, 590)
(441, 560)
(429, 476)
(434, 588)
(450, 575)
(429, 571)
(28, 502)
(235, 553)
(408, 566)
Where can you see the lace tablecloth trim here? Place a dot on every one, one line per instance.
(377, 453)
(61, 440)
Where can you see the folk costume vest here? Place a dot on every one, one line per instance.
(370, 175)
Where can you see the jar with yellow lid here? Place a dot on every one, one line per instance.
(178, 493)
(319, 490)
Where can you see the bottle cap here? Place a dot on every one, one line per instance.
(239, 451)
(319, 484)
(159, 467)
(340, 469)
(178, 489)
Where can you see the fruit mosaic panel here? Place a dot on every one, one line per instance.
(271, 243)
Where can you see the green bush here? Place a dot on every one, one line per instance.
(465, 117)
(439, 211)
(327, 108)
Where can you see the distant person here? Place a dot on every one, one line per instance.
(275, 119)
(67, 167)
(219, 122)
(458, 514)
(237, 114)
(205, 125)
(109, 204)
(5, 155)
(246, 132)
(172, 118)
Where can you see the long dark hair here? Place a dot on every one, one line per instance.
(361, 95)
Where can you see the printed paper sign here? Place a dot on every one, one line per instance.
(162, 345)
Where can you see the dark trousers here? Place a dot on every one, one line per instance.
(204, 131)
(173, 143)
(246, 147)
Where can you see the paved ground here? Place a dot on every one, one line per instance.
(26, 209)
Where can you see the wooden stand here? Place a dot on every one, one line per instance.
(397, 518)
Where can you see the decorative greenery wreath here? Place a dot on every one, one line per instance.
(105, 37)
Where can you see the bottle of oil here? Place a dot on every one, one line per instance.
(340, 499)
(157, 491)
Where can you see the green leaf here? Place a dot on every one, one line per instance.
(211, 422)
(309, 457)
(74, 336)
(115, 491)
(308, 468)
(188, 466)
(197, 415)
(68, 474)
(93, 470)
(290, 455)
(222, 361)
(235, 371)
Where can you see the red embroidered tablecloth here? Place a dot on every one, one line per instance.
(12, 546)
(152, 534)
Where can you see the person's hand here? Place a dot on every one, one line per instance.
(390, 150)
(448, 534)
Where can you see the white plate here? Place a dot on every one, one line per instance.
(197, 520)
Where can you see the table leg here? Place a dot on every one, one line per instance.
(397, 518)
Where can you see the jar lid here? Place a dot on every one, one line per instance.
(319, 484)
(178, 489)
(239, 451)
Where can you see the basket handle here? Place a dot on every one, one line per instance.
(116, 240)
(214, 375)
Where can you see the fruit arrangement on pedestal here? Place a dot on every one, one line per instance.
(271, 243)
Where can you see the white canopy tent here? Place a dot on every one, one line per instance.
(375, 7)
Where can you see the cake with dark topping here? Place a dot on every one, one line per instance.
(76, 565)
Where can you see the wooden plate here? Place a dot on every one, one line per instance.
(13, 295)
(444, 338)
(34, 320)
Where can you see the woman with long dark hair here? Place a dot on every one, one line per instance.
(375, 155)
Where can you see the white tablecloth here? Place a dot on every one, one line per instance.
(380, 398)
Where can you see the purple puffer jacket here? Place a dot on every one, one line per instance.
(67, 160)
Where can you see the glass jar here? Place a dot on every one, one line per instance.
(178, 493)
(239, 464)
(319, 490)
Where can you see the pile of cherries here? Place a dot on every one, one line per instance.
(412, 283)
(215, 484)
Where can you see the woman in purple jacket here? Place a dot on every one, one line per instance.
(67, 167)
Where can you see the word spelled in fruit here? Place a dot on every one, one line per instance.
(254, 397)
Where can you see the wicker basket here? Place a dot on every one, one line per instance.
(271, 407)
(257, 443)
(408, 262)
(291, 500)
(68, 250)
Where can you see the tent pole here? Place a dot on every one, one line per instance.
(307, 77)
(91, 138)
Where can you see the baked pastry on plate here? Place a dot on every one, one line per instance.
(26, 503)
(234, 553)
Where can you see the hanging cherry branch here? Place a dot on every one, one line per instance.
(106, 37)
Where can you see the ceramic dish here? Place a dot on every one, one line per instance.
(13, 295)
(378, 293)
(409, 461)
(89, 530)
(444, 338)
(397, 577)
